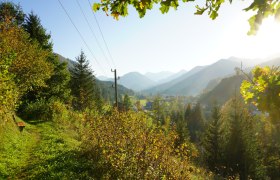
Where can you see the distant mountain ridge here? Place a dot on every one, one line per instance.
(136, 81)
(157, 77)
(200, 79)
(163, 87)
(227, 88)
(230, 86)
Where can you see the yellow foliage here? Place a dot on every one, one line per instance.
(132, 149)
(29, 66)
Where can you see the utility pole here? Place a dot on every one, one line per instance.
(116, 87)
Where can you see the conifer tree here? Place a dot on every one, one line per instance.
(188, 112)
(83, 84)
(37, 32)
(242, 150)
(126, 102)
(212, 141)
(57, 86)
(196, 123)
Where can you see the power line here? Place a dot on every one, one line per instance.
(111, 57)
(81, 36)
(91, 29)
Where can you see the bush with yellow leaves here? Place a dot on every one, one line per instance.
(128, 146)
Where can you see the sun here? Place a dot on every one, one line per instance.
(262, 45)
(266, 42)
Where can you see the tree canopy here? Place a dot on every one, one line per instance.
(264, 90)
(262, 8)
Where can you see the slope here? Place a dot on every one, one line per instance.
(193, 85)
(108, 92)
(157, 77)
(163, 87)
(136, 81)
(227, 88)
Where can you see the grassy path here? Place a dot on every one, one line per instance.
(36, 136)
(42, 151)
(16, 149)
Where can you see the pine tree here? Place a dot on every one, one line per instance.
(57, 86)
(242, 150)
(196, 123)
(212, 140)
(188, 112)
(37, 32)
(83, 84)
(126, 102)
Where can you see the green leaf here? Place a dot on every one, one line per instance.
(96, 7)
(199, 10)
(164, 8)
(213, 15)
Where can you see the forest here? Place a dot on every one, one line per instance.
(58, 121)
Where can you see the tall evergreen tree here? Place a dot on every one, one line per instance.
(126, 102)
(83, 84)
(242, 150)
(37, 32)
(212, 141)
(196, 123)
(159, 110)
(57, 86)
(188, 112)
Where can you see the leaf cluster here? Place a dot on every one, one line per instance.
(264, 90)
(263, 8)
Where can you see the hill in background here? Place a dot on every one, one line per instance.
(227, 88)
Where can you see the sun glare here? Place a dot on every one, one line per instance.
(265, 42)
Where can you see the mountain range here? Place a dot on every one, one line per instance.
(139, 82)
(209, 81)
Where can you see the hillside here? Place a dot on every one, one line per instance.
(108, 92)
(68, 61)
(272, 62)
(227, 88)
(157, 77)
(171, 82)
(173, 76)
(194, 84)
(136, 81)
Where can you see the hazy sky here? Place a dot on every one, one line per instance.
(174, 41)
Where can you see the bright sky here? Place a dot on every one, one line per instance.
(174, 41)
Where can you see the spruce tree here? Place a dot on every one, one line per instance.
(37, 32)
(57, 86)
(126, 102)
(188, 112)
(196, 123)
(212, 140)
(83, 84)
(242, 150)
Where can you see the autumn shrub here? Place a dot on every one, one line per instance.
(8, 89)
(128, 146)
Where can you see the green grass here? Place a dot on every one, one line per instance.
(46, 150)
(15, 148)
